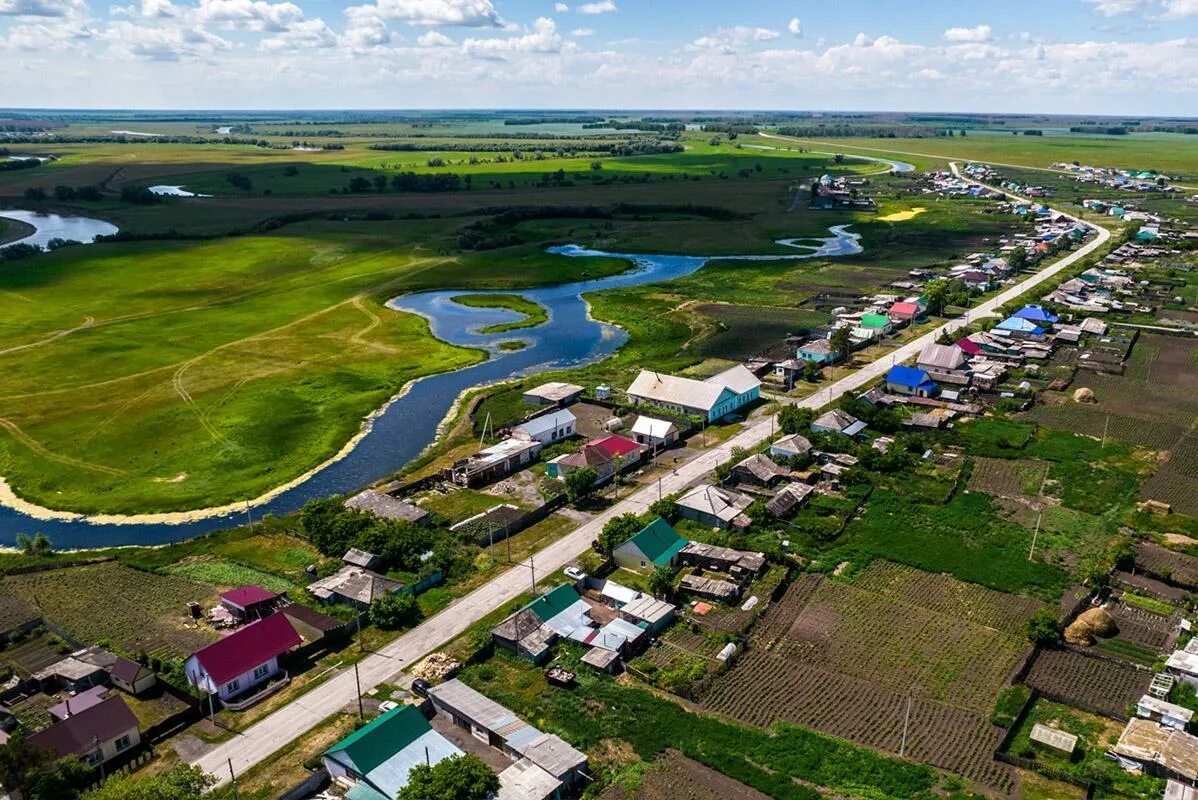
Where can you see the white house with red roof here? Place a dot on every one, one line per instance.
(243, 660)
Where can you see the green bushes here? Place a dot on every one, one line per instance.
(1009, 705)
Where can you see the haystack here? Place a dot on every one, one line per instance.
(1084, 395)
(1090, 626)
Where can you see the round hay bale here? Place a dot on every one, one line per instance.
(1090, 626)
(1084, 395)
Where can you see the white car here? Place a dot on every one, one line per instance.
(575, 573)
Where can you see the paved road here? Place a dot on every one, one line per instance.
(266, 737)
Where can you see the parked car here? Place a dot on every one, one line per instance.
(575, 573)
(420, 687)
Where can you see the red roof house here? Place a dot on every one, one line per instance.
(243, 659)
(969, 346)
(617, 445)
(97, 733)
(904, 311)
(599, 454)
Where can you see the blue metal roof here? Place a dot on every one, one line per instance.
(909, 376)
(1036, 313)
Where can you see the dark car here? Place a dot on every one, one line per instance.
(420, 687)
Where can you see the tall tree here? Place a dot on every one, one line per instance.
(840, 340)
(580, 483)
(180, 782)
(618, 530)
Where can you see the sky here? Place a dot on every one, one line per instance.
(1114, 57)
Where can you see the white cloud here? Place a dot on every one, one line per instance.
(1113, 8)
(253, 15)
(795, 27)
(162, 43)
(581, 33)
(1179, 9)
(732, 40)
(365, 29)
(862, 40)
(598, 7)
(463, 13)
(435, 39)
(41, 8)
(312, 33)
(979, 33)
(561, 8)
(542, 38)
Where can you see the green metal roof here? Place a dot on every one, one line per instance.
(554, 601)
(658, 541)
(385, 736)
(875, 321)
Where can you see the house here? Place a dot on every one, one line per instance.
(249, 602)
(547, 428)
(1183, 665)
(1168, 714)
(837, 421)
(353, 586)
(817, 350)
(498, 727)
(739, 564)
(1157, 750)
(525, 634)
(1037, 314)
(945, 363)
(554, 393)
(711, 399)
(97, 734)
(493, 463)
(910, 381)
(654, 433)
(713, 506)
(75, 704)
(360, 558)
(234, 666)
(905, 312)
(384, 505)
(1053, 739)
(604, 455)
(524, 780)
(789, 498)
(790, 446)
(758, 470)
(1019, 327)
(379, 755)
(789, 370)
(132, 677)
(878, 324)
(655, 545)
(968, 347)
(311, 625)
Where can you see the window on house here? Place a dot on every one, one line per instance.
(95, 757)
(260, 672)
(122, 743)
(233, 685)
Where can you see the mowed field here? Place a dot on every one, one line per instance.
(172, 375)
(846, 659)
(135, 611)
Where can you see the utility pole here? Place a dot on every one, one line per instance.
(358, 682)
(233, 779)
(533, 570)
(1106, 426)
(1035, 533)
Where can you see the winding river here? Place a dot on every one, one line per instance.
(403, 428)
(54, 226)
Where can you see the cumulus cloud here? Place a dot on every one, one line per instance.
(582, 33)
(599, 7)
(561, 8)
(979, 33)
(462, 13)
(1113, 8)
(312, 33)
(162, 43)
(1179, 9)
(252, 15)
(542, 38)
(435, 39)
(861, 40)
(795, 27)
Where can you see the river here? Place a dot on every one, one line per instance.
(404, 428)
(54, 226)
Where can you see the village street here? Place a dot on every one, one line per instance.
(263, 739)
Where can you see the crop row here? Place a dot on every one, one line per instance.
(1098, 685)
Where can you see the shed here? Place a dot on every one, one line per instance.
(387, 507)
(360, 558)
(646, 610)
(548, 428)
(553, 393)
(524, 780)
(791, 446)
(132, 677)
(248, 602)
(654, 432)
(602, 660)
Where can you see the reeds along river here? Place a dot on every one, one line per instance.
(408, 424)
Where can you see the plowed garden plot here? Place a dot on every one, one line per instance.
(1142, 627)
(134, 610)
(1007, 477)
(1097, 685)
(1094, 420)
(1178, 568)
(748, 330)
(846, 660)
(674, 776)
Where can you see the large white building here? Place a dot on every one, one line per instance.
(716, 397)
